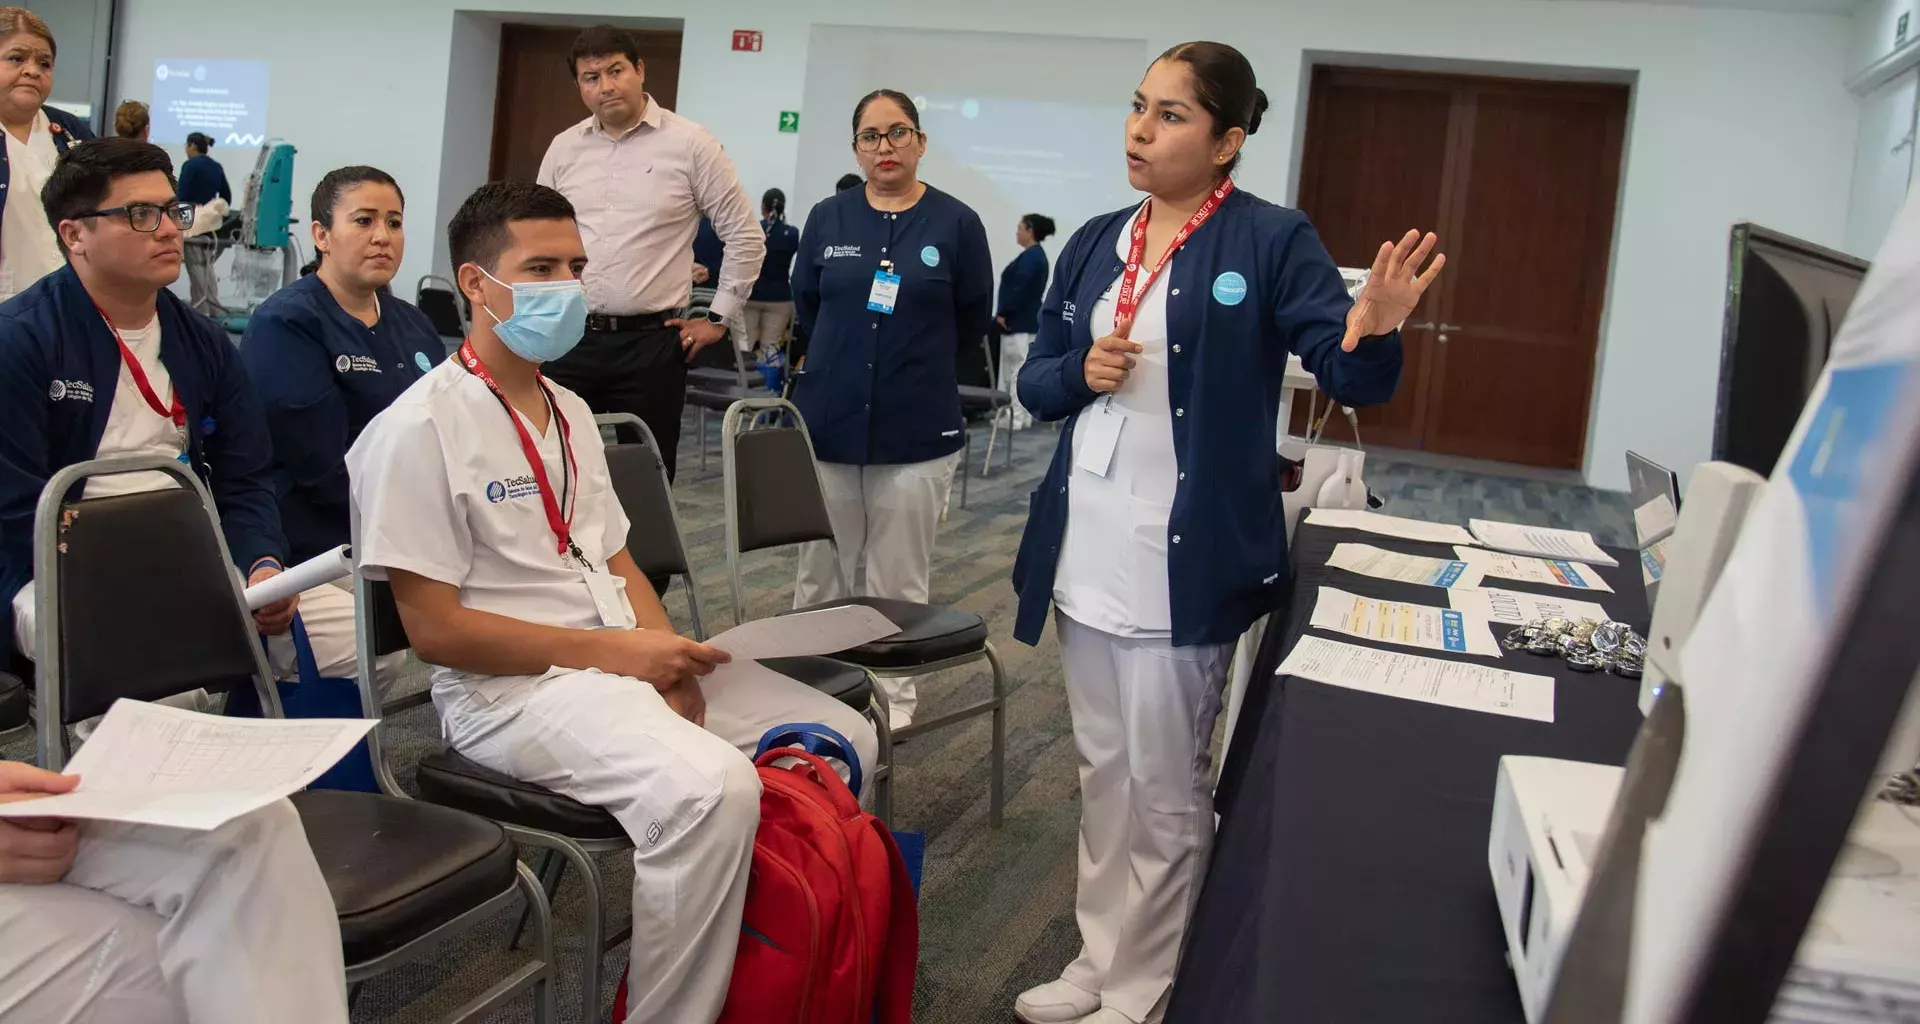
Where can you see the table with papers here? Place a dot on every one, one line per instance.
(1349, 882)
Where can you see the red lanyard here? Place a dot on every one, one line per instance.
(178, 412)
(1128, 298)
(561, 524)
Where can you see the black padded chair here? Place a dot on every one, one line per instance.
(717, 378)
(659, 549)
(135, 597)
(774, 499)
(440, 301)
(16, 712)
(975, 399)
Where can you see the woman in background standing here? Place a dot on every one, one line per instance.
(891, 280)
(36, 135)
(132, 121)
(770, 306)
(1021, 286)
(201, 177)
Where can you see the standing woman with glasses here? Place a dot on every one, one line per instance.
(36, 135)
(891, 280)
(1159, 544)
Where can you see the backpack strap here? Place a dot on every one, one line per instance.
(816, 739)
(839, 798)
(894, 985)
(307, 665)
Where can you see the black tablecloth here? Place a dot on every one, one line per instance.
(1349, 881)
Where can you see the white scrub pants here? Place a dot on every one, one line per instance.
(162, 925)
(686, 795)
(1143, 713)
(1013, 355)
(765, 325)
(884, 521)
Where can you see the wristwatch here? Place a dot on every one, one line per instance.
(715, 318)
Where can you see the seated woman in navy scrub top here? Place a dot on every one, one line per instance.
(1157, 535)
(331, 350)
(890, 281)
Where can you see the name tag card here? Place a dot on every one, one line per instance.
(886, 291)
(610, 598)
(1101, 426)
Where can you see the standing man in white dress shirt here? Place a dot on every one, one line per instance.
(640, 177)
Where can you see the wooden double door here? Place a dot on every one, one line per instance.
(537, 98)
(1520, 179)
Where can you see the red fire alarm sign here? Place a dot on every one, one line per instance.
(746, 39)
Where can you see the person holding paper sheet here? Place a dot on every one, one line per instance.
(1157, 531)
(893, 280)
(99, 359)
(482, 495)
(116, 922)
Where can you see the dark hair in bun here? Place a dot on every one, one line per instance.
(1223, 82)
(1040, 224)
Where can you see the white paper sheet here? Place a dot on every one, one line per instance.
(1555, 573)
(1655, 519)
(828, 631)
(155, 765)
(1411, 677)
(1380, 563)
(1410, 625)
(321, 568)
(1390, 526)
(1540, 542)
(1511, 608)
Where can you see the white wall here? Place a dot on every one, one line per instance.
(1737, 115)
(1886, 79)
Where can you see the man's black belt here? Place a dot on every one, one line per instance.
(628, 322)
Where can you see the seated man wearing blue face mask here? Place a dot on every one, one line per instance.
(482, 495)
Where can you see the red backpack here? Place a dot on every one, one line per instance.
(830, 934)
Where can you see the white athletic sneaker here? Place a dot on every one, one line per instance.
(1056, 1002)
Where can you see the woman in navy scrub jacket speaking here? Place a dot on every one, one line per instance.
(891, 279)
(332, 349)
(1157, 533)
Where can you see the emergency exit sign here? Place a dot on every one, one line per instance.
(1900, 29)
(747, 39)
(789, 120)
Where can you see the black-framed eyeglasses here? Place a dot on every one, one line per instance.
(146, 216)
(869, 140)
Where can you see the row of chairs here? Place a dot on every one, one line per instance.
(163, 616)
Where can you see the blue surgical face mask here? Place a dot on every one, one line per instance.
(548, 318)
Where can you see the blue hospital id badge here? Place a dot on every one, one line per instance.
(886, 291)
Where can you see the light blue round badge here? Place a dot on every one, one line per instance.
(1229, 289)
(420, 359)
(930, 256)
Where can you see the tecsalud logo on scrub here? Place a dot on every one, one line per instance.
(512, 487)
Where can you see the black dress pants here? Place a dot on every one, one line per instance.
(638, 371)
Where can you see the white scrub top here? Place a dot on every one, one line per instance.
(441, 488)
(29, 250)
(133, 428)
(1113, 562)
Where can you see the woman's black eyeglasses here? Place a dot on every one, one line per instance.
(146, 216)
(869, 140)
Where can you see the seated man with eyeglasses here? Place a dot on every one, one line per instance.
(99, 360)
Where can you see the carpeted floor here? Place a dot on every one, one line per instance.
(996, 907)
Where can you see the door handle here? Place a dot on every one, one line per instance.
(1418, 325)
(1444, 328)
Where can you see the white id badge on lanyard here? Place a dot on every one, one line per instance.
(1102, 425)
(610, 598)
(886, 291)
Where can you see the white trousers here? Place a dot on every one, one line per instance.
(687, 796)
(162, 925)
(1143, 713)
(1013, 355)
(765, 324)
(884, 521)
(326, 611)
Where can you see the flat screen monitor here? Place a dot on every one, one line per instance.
(1785, 301)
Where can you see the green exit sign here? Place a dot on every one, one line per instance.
(789, 120)
(1900, 30)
